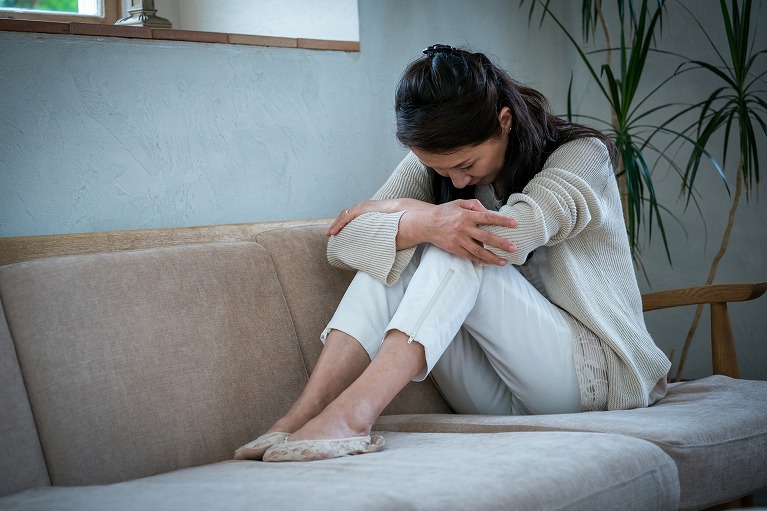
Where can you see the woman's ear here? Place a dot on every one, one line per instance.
(504, 117)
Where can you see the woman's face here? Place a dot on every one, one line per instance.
(473, 164)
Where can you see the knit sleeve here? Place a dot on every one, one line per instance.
(560, 202)
(369, 242)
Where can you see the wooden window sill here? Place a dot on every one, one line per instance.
(170, 34)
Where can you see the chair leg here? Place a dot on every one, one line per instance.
(723, 355)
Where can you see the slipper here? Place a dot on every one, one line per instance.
(310, 450)
(255, 450)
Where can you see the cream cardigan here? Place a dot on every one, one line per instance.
(570, 217)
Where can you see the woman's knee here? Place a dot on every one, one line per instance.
(433, 255)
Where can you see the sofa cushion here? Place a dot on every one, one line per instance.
(313, 290)
(521, 471)
(21, 465)
(142, 362)
(715, 429)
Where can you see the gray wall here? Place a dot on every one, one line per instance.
(105, 134)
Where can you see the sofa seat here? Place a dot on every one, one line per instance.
(427, 471)
(715, 429)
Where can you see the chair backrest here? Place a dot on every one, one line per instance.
(724, 359)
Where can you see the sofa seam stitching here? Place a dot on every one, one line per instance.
(287, 306)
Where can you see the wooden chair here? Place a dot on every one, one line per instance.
(723, 356)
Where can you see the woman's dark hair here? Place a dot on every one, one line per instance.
(450, 98)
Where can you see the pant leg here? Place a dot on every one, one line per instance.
(367, 307)
(439, 297)
(525, 339)
(429, 303)
(468, 382)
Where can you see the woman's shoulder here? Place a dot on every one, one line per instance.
(411, 167)
(583, 156)
(409, 179)
(582, 150)
(411, 161)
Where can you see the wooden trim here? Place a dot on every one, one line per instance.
(27, 248)
(262, 40)
(322, 44)
(44, 27)
(112, 11)
(171, 34)
(724, 359)
(83, 28)
(703, 294)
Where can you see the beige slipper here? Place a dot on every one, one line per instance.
(310, 450)
(255, 450)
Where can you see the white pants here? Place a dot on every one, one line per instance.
(493, 343)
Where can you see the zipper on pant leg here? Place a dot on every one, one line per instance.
(430, 305)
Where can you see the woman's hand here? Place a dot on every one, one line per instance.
(380, 206)
(455, 227)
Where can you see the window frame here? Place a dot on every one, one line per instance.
(66, 24)
(112, 9)
(170, 34)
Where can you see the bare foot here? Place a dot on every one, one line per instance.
(299, 414)
(334, 422)
(292, 421)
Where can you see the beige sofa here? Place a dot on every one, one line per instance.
(134, 363)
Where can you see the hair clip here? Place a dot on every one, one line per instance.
(440, 48)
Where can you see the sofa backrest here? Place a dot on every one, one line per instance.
(137, 362)
(21, 465)
(142, 362)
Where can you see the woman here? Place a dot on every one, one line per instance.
(495, 258)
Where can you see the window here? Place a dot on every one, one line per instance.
(83, 11)
(312, 19)
(307, 24)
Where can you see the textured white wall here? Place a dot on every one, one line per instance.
(104, 134)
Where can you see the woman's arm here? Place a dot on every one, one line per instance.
(568, 196)
(457, 228)
(366, 239)
(397, 205)
(454, 226)
(379, 236)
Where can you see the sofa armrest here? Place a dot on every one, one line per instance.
(723, 356)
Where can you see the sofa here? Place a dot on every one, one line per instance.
(134, 363)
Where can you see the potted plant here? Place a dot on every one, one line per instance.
(734, 108)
